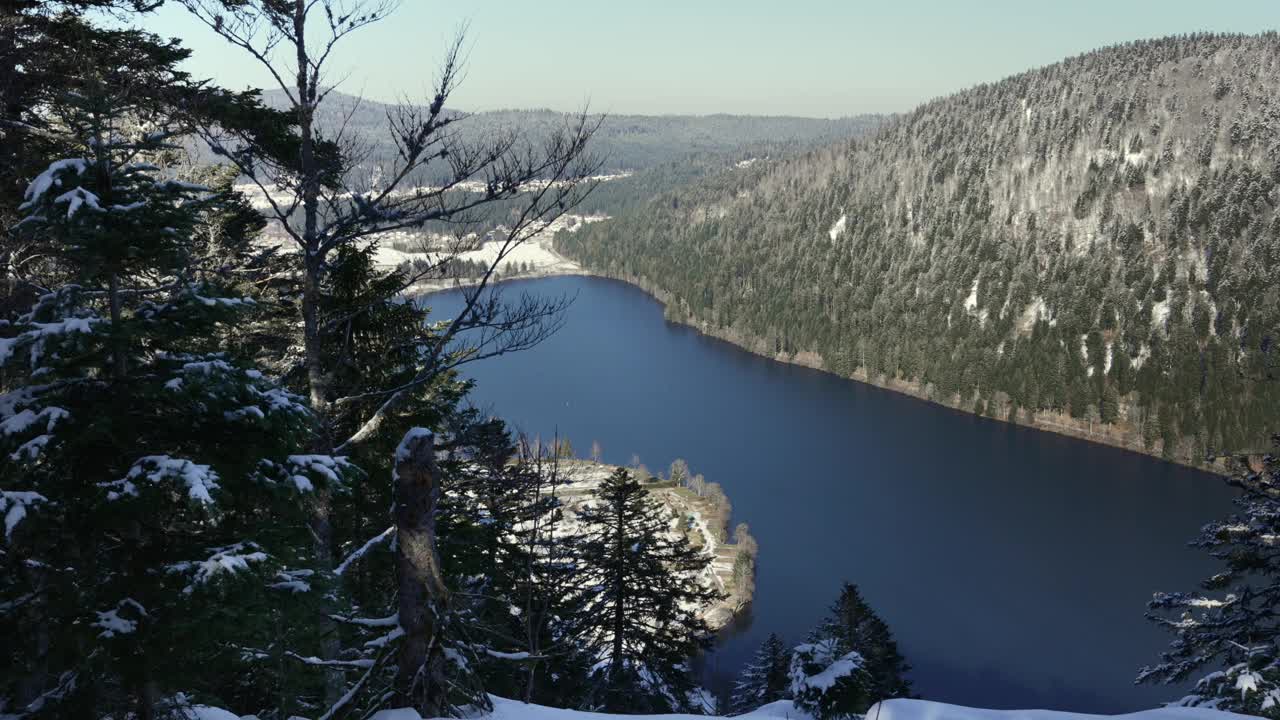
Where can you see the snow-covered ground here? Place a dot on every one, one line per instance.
(888, 710)
(532, 258)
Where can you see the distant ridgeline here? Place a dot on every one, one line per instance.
(1092, 247)
(623, 143)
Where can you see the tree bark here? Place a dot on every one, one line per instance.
(420, 682)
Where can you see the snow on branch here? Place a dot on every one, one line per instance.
(368, 545)
(50, 178)
(293, 581)
(199, 481)
(388, 621)
(36, 337)
(14, 504)
(230, 559)
(24, 419)
(113, 623)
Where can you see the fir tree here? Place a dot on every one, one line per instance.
(1231, 628)
(855, 626)
(765, 679)
(640, 616)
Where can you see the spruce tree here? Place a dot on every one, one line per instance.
(153, 480)
(1230, 627)
(764, 679)
(640, 614)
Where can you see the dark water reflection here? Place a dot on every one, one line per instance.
(1012, 565)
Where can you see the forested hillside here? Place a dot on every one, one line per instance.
(1091, 246)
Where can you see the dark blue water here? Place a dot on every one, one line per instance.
(1012, 565)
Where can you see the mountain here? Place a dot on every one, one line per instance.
(1091, 247)
(624, 142)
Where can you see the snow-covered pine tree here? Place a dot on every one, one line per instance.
(765, 679)
(853, 625)
(829, 682)
(1231, 626)
(152, 483)
(640, 611)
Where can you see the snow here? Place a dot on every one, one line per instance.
(1160, 312)
(199, 480)
(230, 559)
(971, 302)
(327, 466)
(292, 580)
(397, 714)
(838, 228)
(379, 538)
(25, 419)
(49, 179)
(888, 710)
(925, 710)
(1036, 311)
(1144, 352)
(1247, 682)
(31, 449)
(402, 451)
(39, 334)
(14, 505)
(75, 198)
(113, 624)
(204, 712)
(843, 667)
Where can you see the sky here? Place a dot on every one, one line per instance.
(816, 58)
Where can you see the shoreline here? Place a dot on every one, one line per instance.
(1056, 423)
(1045, 421)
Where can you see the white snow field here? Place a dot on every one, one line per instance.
(504, 709)
(888, 710)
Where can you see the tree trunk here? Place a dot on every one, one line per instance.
(619, 583)
(420, 682)
(119, 352)
(313, 266)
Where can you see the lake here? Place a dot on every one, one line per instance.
(1012, 565)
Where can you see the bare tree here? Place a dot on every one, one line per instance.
(321, 203)
(332, 194)
(679, 473)
(552, 572)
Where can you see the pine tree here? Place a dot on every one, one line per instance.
(853, 626)
(640, 614)
(152, 491)
(765, 679)
(1231, 627)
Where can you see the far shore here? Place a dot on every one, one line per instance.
(1046, 421)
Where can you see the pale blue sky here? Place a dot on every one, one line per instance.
(792, 57)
